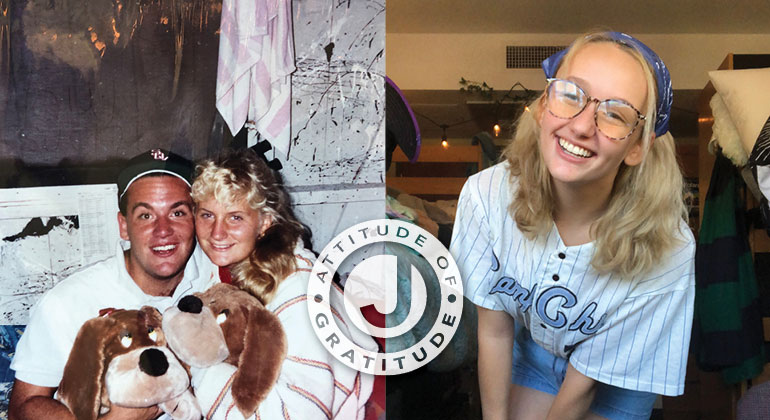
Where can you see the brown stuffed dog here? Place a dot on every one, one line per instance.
(227, 323)
(121, 358)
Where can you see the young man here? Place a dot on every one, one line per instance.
(161, 266)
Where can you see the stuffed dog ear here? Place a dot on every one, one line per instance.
(264, 349)
(152, 315)
(83, 379)
(153, 318)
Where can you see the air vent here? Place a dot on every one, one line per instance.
(528, 57)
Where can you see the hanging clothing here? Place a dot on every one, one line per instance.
(256, 59)
(727, 330)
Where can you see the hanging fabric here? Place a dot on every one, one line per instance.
(727, 328)
(256, 59)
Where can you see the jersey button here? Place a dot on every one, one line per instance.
(555, 277)
(562, 255)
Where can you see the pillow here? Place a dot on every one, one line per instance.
(745, 92)
(725, 134)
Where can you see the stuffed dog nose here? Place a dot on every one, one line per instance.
(153, 362)
(190, 304)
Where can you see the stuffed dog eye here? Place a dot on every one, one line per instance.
(125, 339)
(152, 333)
(222, 317)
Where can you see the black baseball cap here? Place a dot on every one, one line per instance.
(154, 161)
(400, 123)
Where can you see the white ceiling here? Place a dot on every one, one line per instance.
(554, 16)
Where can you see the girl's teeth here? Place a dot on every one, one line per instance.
(164, 248)
(573, 149)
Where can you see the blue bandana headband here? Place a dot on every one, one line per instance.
(662, 77)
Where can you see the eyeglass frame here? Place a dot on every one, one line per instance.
(590, 99)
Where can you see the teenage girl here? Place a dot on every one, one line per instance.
(575, 248)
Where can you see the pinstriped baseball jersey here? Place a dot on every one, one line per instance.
(632, 332)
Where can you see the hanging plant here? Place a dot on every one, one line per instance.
(482, 89)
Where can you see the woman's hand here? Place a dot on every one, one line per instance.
(495, 333)
(574, 398)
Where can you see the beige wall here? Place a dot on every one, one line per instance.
(437, 61)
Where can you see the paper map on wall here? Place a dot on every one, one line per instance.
(47, 233)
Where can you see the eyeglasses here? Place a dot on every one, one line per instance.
(615, 118)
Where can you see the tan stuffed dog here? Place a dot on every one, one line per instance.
(121, 358)
(228, 324)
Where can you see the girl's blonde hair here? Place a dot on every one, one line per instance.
(242, 175)
(646, 206)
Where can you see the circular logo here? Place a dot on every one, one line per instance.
(375, 281)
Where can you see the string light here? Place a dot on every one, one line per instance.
(443, 127)
(523, 97)
(444, 141)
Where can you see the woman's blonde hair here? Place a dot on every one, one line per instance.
(646, 206)
(242, 175)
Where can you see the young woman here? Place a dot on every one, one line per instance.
(244, 224)
(575, 248)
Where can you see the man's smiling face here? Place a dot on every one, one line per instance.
(159, 224)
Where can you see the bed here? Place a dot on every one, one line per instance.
(439, 171)
(426, 192)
